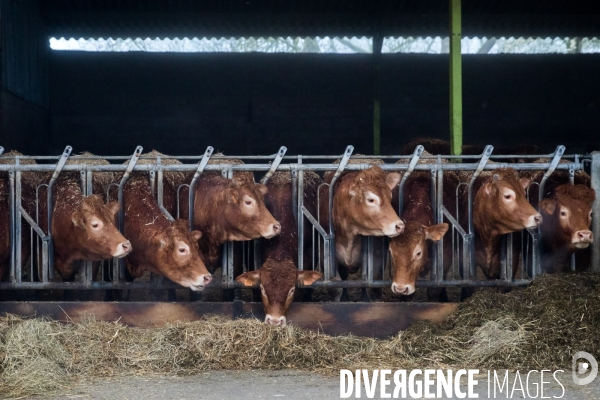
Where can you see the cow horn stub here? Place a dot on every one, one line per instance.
(496, 177)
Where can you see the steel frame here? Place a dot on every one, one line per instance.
(323, 238)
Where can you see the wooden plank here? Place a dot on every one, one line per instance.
(360, 319)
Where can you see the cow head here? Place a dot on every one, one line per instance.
(364, 205)
(501, 206)
(95, 232)
(177, 256)
(409, 254)
(568, 216)
(277, 286)
(245, 212)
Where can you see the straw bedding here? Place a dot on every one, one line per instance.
(538, 327)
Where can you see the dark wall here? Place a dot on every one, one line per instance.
(108, 103)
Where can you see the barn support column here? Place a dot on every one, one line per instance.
(377, 44)
(595, 170)
(456, 122)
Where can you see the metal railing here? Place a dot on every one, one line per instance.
(461, 273)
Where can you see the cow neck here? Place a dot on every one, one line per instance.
(417, 202)
(284, 245)
(487, 243)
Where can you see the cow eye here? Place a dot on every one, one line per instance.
(248, 202)
(291, 291)
(182, 250)
(371, 200)
(419, 254)
(262, 290)
(563, 213)
(95, 225)
(507, 196)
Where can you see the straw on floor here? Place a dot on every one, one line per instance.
(538, 327)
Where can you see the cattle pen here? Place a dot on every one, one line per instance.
(39, 273)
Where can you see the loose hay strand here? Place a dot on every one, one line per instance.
(540, 326)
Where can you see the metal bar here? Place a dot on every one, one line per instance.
(338, 172)
(456, 122)
(595, 177)
(316, 224)
(160, 194)
(1, 150)
(453, 221)
(57, 169)
(88, 189)
(33, 224)
(369, 258)
(438, 270)
(411, 166)
(553, 164)
(119, 264)
(300, 215)
(274, 165)
(192, 189)
(11, 230)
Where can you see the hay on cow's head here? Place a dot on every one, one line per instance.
(33, 179)
(246, 175)
(101, 180)
(173, 178)
(281, 178)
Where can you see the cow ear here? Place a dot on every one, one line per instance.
(548, 206)
(236, 181)
(525, 182)
(163, 240)
(353, 191)
(76, 218)
(113, 207)
(392, 180)
(197, 235)
(436, 232)
(308, 277)
(262, 188)
(249, 278)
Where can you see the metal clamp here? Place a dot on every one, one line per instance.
(274, 165)
(560, 150)
(191, 190)
(411, 166)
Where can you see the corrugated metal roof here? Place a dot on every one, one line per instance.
(158, 18)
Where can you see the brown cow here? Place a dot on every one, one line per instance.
(279, 275)
(500, 206)
(228, 210)
(159, 245)
(83, 227)
(409, 250)
(361, 206)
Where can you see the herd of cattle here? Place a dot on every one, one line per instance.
(238, 209)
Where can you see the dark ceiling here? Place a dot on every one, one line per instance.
(236, 18)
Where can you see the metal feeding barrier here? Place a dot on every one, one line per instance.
(36, 270)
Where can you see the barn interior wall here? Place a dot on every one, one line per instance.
(108, 103)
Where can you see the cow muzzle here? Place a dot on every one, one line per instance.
(122, 249)
(582, 239)
(275, 321)
(394, 229)
(533, 221)
(201, 282)
(272, 231)
(403, 289)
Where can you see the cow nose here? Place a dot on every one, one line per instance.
(122, 249)
(399, 227)
(207, 278)
(585, 236)
(277, 228)
(537, 218)
(275, 321)
(401, 289)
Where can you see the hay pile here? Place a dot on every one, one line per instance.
(282, 178)
(245, 175)
(539, 327)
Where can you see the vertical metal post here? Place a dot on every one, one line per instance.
(433, 200)
(456, 121)
(377, 45)
(437, 207)
(192, 188)
(11, 230)
(89, 189)
(595, 170)
(300, 214)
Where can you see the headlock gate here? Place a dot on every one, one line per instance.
(38, 271)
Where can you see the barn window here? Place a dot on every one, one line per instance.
(332, 45)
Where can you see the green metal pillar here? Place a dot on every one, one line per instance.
(456, 121)
(377, 44)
